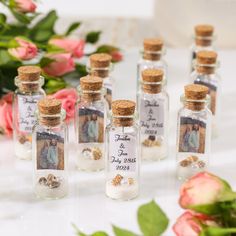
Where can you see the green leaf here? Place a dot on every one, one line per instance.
(216, 231)
(3, 18)
(209, 209)
(5, 57)
(21, 17)
(14, 30)
(100, 233)
(72, 27)
(152, 220)
(93, 37)
(81, 70)
(53, 84)
(45, 61)
(45, 27)
(106, 48)
(122, 232)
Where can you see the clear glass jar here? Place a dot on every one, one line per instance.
(153, 121)
(108, 81)
(206, 45)
(122, 162)
(90, 123)
(193, 138)
(50, 156)
(213, 82)
(151, 64)
(25, 101)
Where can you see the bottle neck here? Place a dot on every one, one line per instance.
(29, 86)
(195, 105)
(205, 69)
(123, 121)
(51, 120)
(100, 72)
(152, 55)
(204, 41)
(91, 96)
(151, 87)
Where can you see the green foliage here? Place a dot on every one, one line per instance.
(44, 29)
(152, 220)
(93, 37)
(122, 232)
(72, 28)
(217, 231)
(81, 70)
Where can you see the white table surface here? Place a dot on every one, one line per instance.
(86, 205)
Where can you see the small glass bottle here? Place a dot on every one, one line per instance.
(122, 146)
(193, 132)
(153, 109)
(50, 138)
(152, 58)
(203, 40)
(205, 74)
(90, 124)
(26, 96)
(101, 66)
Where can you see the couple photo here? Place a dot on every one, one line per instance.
(50, 155)
(192, 137)
(90, 126)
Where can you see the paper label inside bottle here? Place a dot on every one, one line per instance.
(50, 151)
(27, 106)
(192, 135)
(152, 117)
(212, 93)
(91, 125)
(122, 152)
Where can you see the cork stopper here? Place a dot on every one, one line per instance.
(205, 58)
(152, 76)
(152, 49)
(204, 30)
(123, 107)
(49, 106)
(91, 83)
(204, 35)
(100, 60)
(29, 73)
(195, 92)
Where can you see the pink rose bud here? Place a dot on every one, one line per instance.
(25, 50)
(116, 56)
(62, 63)
(25, 6)
(68, 98)
(6, 114)
(190, 224)
(187, 225)
(204, 189)
(75, 47)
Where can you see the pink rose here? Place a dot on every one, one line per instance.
(116, 56)
(6, 114)
(25, 6)
(187, 225)
(68, 97)
(75, 47)
(62, 63)
(204, 189)
(25, 50)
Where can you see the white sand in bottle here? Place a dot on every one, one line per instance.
(122, 191)
(153, 153)
(23, 151)
(44, 191)
(90, 156)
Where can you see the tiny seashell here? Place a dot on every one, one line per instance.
(185, 163)
(51, 177)
(201, 164)
(42, 181)
(54, 184)
(130, 181)
(22, 139)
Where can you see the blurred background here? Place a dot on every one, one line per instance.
(126, 22)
